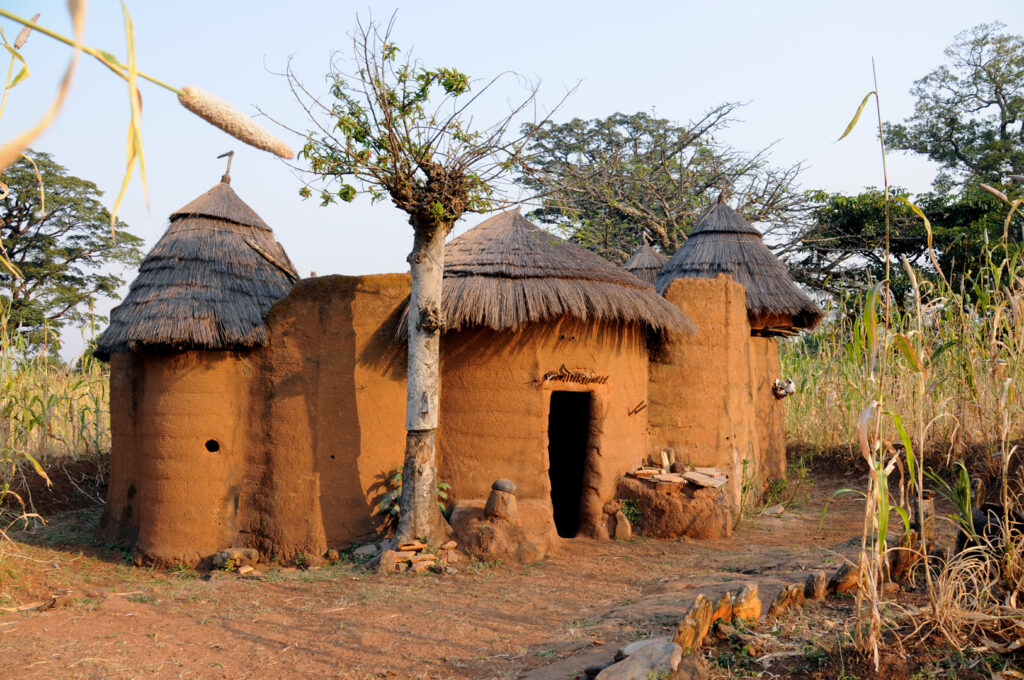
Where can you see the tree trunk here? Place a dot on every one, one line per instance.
(420, 516)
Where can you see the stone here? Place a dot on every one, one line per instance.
(746, 605)
(790, 597)
(623, 529)
(255, 574)
(236, 557)
(423, 557)
(402, 567)
(414, 546)
(506, 485)
(612, 507)
(388, 562)
(502, 505)
(332, 555)
(404, 555)
(678, 467)
(890, 589)
(422, 566)
(775, 510)
(846, 579)
(709, 471)
(368, 550)
(665, 462)
(723, 609)
(816, 586)
(703, 480)
(634, 647)
(670, 478)
(655, 660)
(246, 570)
(701, 611)
(692, 667)
(450, 545)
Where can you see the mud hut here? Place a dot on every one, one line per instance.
(645, 263)
(181, 350)
(724, 243)
(544, 372)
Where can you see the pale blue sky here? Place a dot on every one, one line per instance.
(803, 66)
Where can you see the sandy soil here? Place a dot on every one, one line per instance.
(113, 620)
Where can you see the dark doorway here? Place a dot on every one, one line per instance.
(568, 430)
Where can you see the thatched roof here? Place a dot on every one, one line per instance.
(507, 272)
(723, 242)
(645, 263)
(207, 283)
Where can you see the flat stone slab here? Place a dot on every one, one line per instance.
(709, 471)
(670, 478)
(699, 479)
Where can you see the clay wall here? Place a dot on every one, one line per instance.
(180, 427)
(495, 406)
(771, 413)
(335, 389)
(701, 401)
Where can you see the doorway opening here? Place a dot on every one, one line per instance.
(568, 432)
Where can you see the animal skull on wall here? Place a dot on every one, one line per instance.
(783, 388)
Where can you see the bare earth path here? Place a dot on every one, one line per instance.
(487, 621)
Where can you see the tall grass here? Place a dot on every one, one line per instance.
(972, 342)
(50, 412)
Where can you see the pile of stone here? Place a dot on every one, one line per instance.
(241, 560)
(416, 557)
(665, 469)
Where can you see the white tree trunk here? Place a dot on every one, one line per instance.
(420, 515)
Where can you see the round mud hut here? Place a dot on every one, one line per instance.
(182, 376)
(724, 243)
(544, 374)
(645, 263)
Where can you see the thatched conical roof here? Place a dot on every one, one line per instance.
(723, 242)
(507, 272)
(207, 284)
(645, 263)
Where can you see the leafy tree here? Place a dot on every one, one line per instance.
(58, 235)
(969, 119)
(397, 130)
(969, 113)
(612, 183)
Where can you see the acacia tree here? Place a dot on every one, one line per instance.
(609, 183)
(397, 130)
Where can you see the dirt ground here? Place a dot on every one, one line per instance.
(548, 620)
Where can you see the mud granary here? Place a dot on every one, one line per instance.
(252, 408)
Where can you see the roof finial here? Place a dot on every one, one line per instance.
(226, 177)
(724, 194)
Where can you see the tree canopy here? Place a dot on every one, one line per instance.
(611, 183)
(969, 119)
(57, 234)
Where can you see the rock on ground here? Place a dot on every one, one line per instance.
(656, 659)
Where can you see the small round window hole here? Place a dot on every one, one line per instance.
(212, 445)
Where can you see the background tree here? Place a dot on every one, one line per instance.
(969, 119)
(64, 249)
(397, 130)
(969, 113)
(608, 183)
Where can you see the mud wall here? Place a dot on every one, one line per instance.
(495, 404)
(771, 414)
(701, 401)
(335, 400)
(180, 427)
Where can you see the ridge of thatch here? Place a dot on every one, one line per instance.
(507, 272)
(723, 242)
(206, 284)
(645, 263)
